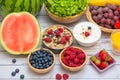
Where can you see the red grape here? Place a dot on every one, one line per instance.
(110, 15)
(115, 18)
(106, 15)
(116, 13)
(108, 21)
(108, 26)
(103, 20)
(99, 16)
(93, 12)
(105, 9)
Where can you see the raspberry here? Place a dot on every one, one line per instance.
(63, 40)
(76, 60)
(67, 53)
(71, 64)
(87, 34)
(58, 77)
(60, 29)
(81, 56)
(65, 61)
(81, 61)
(72, 56)
(58, 34)
(79, 51)
(50, 31)
(67, 37)
(65, 76)
(47, 39)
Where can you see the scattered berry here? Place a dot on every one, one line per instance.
(50, 31)
(58, 76)
(65, 76)
(47, 39)
(58, 34)
(60, 29)
(89, 28)
(22, 76)
(13, 60)
(13, 73)
(87, 34)
(67, 37)
(63, 40)
(17, 70)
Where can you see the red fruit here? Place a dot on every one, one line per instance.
(64, 60)
(104, 57)
(119, 10)
(65, 76)
(97, 62)
(47, 39)
(72, 56)
(103, 65)
(71, 64)
(50, 31)
(67, 53)
(99, 58)
(76, 60)
(79, 51)
(87, 34)
(67, 37)
(117, 25)
(81, 61)
(63, 40)
(81, 56)
(60, 29)
(110, 59)
(58, 34)
(58, 77)
(102, 52)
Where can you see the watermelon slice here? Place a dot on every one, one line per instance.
(20, 33)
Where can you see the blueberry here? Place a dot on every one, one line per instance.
(33, 65)
(42, 61)
(13, 60)
(13, 73)
(22, 76)
(89, 28)
(17, 70)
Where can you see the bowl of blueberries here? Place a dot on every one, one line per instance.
(41, 60)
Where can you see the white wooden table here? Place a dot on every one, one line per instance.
(87, 73)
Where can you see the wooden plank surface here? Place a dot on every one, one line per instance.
(87, 73)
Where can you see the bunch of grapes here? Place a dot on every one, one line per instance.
(105, 15)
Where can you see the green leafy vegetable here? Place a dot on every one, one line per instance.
(66, 8)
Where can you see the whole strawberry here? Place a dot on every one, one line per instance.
(103, 65)
(110, 59)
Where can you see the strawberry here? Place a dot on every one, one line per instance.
(99, 58)
(87, 34)
(102, 52)
(103, 65)
(104, 57)
(117, 25)
(58, 34)
(47, 39)
(58, 77)
(76, 60)
(97, 62)
(63, 40)
(50, 31)
(67, 37)
(110, 59)
(60, 29)
(65, 76)
(93, 58)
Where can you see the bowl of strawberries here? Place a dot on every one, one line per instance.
(73, 58)
(102, 60)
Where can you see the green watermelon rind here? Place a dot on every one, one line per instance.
(14, 52)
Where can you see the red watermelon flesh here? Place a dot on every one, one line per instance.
(20, 33)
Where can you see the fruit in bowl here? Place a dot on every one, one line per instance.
(102, 61)
(41, 60)
(87, 33)
(73, 58)
(107, 16)
(57, 37)
(65, 11)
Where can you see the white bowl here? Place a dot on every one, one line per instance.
(81, 28)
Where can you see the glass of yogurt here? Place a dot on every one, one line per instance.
(87, 33)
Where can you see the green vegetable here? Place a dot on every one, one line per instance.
(66, 8)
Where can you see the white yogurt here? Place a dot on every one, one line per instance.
(80, 28)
